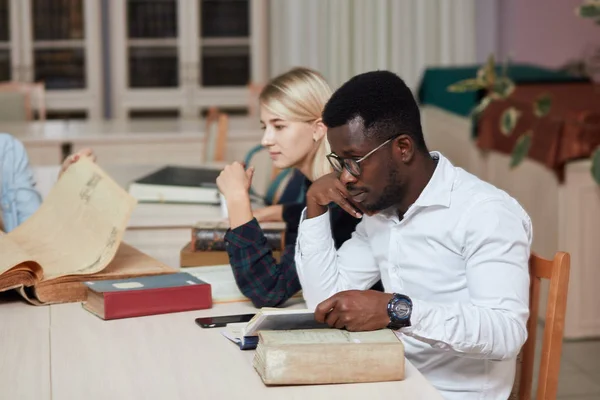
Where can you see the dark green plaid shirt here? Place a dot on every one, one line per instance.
(258, 275)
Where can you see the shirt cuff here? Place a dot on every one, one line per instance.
(244, 235)
(418, 317)
(314, 234)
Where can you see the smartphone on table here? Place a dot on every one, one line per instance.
(221, 321)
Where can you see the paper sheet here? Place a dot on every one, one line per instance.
(223, 285)
(78, 228)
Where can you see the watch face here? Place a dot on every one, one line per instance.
(401, 309)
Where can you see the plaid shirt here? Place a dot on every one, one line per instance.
(259, 277)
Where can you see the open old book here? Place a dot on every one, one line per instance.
(75, 236)
(245, 335)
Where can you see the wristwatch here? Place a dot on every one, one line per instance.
(399, 309)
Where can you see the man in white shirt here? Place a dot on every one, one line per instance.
(452, 251)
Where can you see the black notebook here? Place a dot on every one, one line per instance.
(173, 184)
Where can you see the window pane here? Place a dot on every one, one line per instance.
(4, 21)
(152, 18)
(153, 67)
(57, 19)
(225, 18)
(5, 65)
(225, 66)
(60, 69)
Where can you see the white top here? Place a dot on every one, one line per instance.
(461, 254)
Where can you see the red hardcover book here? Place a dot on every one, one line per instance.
(150, 295)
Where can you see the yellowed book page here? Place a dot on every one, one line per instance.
(12, 253)
(79, 226)
(328, 336)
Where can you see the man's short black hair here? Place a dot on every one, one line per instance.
(382, 101)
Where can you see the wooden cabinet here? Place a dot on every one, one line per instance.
(183, 56)
(57, 42)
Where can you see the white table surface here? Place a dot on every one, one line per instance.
(63, 352)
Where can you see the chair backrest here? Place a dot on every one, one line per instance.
(13, 107)
(215, 139)
(270, 181)
(254, 90)
(557, 272)
(34, 93)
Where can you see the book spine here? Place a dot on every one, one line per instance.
(214, 239)
(137, 303)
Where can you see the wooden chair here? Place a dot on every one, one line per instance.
(215, 139)
(557, 272)
(254, 90)
(33, 93)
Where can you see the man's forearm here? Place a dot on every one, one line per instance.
(313, 209)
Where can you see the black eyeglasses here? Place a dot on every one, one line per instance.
(353, 166)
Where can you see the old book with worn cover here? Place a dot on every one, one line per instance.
(327, 356)
(135, 297)
(210, 235)
(75, 236)
(174, 184)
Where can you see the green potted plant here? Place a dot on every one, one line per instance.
(498, 86)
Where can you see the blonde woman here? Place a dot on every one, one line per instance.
(290, 114)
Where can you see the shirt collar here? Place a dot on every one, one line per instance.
(438, 190)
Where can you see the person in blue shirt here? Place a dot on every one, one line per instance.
(18, 197)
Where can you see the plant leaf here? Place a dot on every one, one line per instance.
(503, 87)
(479, 108)
(521, 149)
(467, 85)
(542, 105)
(596, 165)
(508, 120)
(589, 10)
(486, 75)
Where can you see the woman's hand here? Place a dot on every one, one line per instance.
(73, 158)
(234, 184)
(269, 214)
(234, 181)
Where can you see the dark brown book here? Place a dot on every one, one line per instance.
(191, 258)
(210, 236)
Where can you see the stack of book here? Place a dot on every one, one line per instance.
(208, 246)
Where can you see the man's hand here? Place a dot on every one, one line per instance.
(325, 190)
(355, 310)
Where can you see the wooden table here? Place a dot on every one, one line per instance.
(63, 352)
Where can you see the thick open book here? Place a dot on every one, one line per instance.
(246, 335)
(324, 356)
(75, 236)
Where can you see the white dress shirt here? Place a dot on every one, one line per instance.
(461, 254)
